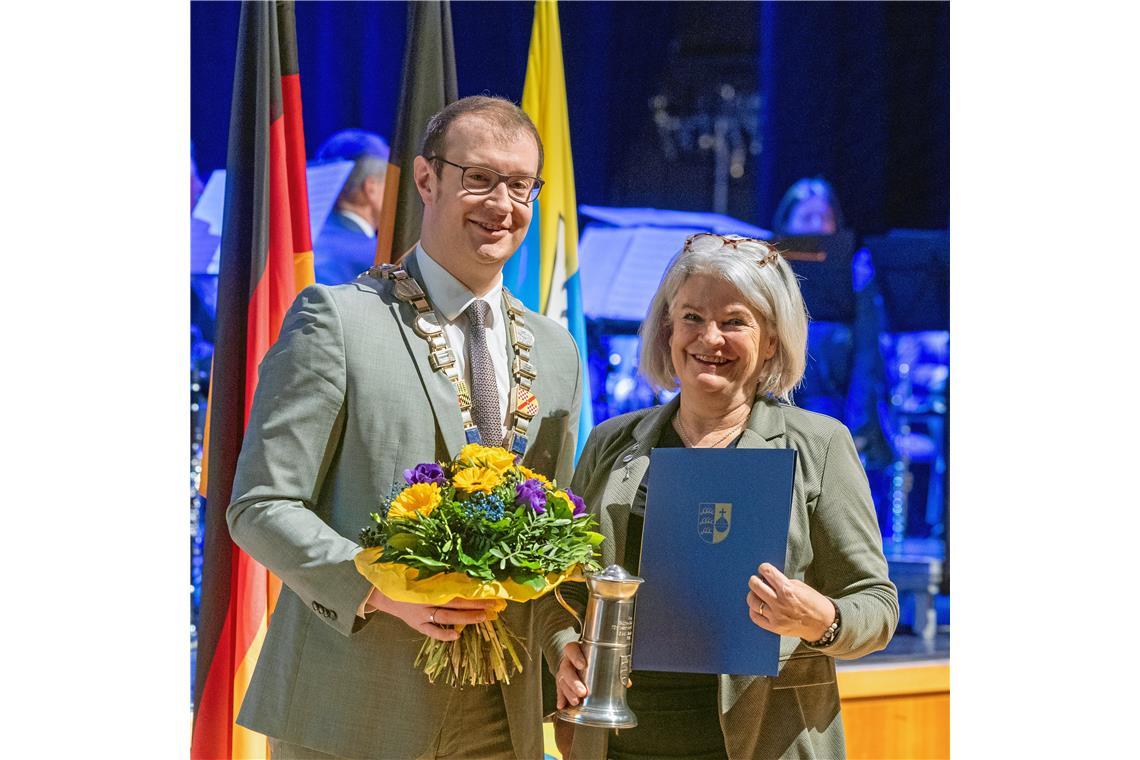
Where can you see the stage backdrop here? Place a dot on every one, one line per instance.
(858, 92)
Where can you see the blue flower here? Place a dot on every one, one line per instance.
(531, 493)
(487, 506)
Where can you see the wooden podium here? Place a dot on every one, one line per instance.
(896, 710)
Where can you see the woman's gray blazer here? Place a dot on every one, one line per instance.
(834, 546)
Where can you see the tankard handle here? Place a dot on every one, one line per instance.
(577, 575)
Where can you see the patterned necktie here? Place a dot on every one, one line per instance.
(484, 389)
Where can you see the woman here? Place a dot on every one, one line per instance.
(729, 326)
(809, 207)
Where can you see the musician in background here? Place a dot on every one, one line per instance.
(845, 377)
(347, 243)
(809, 207)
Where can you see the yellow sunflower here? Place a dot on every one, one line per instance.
(492, 457)
(476, 479)
(422, 498)
(530, 474)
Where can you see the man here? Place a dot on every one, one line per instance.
(346, 401)
(347, 243)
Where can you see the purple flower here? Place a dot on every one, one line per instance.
(531, 493)
(429, 472)
(579, 505)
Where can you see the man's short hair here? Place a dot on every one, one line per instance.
(505, 118)
(368, 149)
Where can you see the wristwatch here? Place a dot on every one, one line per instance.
(832, 631)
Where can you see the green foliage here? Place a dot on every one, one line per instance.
(523, 546)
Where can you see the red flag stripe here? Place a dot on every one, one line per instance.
(295, 158)
(212, 735)
(276, 290)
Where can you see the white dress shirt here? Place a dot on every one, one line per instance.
(450, 298)
(364, 225)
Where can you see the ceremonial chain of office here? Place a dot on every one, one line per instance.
(523, 402)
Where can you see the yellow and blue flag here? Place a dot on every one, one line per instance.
(544, 272)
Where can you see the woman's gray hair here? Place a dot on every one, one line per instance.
(766, 283)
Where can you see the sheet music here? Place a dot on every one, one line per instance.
(324, 183)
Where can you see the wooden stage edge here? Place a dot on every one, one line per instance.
(896, 711)
(891, 711)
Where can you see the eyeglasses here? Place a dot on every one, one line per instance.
(706, 242)
(479, 180)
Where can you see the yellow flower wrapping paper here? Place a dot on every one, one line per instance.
(401, 583)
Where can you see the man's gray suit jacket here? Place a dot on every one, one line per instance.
(346, 400)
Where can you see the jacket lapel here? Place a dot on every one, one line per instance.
(646, 434)
(765, 427)
(440, 392)
(628, 471)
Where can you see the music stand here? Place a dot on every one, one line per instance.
(623, 255)
(323, 182)
(823, 264)
(912, 269)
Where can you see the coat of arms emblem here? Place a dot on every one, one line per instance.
(714, 521)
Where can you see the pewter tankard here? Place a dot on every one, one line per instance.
(607, 643)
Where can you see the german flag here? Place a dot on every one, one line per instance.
(428, 85)
(266, 259)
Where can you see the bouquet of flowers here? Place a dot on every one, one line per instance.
(480, 527)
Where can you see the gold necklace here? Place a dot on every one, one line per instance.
(689, 444)
(522, 401)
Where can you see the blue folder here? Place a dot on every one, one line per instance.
(711, 517)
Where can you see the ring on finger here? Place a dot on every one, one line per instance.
(431, 617)
(763, 607)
